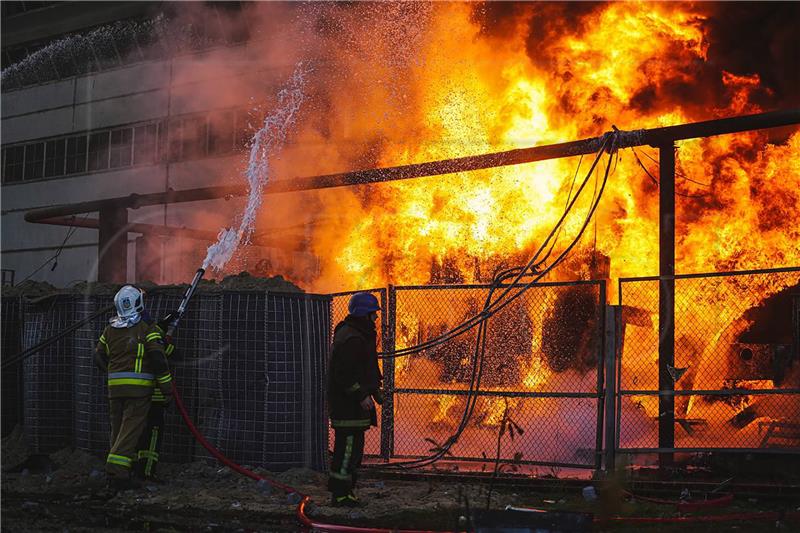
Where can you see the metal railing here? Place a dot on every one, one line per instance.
(735, 381)
(530, 374)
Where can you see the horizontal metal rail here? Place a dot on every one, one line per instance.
(713, 274)
(503, 461)
(709, 450)
(652, 137)
(500, 286)
(496, 393)
(721, 392)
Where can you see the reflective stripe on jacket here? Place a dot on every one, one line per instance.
(135, 361)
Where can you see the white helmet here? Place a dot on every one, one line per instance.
(129, 302)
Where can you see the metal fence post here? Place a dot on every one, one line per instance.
(600, 390)
(387, 410)
(613, 315)
(666, 303)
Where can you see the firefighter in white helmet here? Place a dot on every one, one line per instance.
(131, 351)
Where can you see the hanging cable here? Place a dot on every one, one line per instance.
(480, 344)
(608, 144)
(658, 184)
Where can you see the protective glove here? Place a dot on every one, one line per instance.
(167, 321)
(378, 396)
(367, 404)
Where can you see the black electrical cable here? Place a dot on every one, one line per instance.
(487, 313)
(657, 182)
(70, 232)
(480, 345)
(55, 338)
(24, 354)
(679, 174)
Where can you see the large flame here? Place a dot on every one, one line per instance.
(443, 85)
(467, 93)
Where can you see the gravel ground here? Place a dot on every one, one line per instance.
(66, 492)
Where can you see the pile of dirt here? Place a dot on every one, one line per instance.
(29, 289)
(14, 448)
(246, 282)
(243, 281)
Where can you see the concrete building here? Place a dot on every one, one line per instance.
(117, 112)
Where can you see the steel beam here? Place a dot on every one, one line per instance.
(666, 301)
(112, 246)
(298, 240)
(654, 137)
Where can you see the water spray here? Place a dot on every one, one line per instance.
(271, 136)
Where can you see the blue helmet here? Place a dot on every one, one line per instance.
(362, 304)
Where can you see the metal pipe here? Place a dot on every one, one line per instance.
(259, 239)
(112, 246)
(656, 136)
(666, 300)
(135, 201)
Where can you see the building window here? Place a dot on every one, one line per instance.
(220, 133)
(34, 160)
(175, 136)
(98, 151)
(194, 138)
(144, 145)
(121, 145)
(244, 129)
(54, 158)
(14, 161)
(76, 154)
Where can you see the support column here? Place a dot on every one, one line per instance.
(112, 245)
(387, 410)
(666, 302)
(613, 319)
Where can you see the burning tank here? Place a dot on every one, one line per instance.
(569, 331)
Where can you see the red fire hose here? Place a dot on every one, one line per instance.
(684, 506)
(305, 499)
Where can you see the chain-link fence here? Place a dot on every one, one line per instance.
(542, 368)
(12, 320)
(734, 382)
(250, 367)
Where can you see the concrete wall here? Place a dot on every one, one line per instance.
(118, 97)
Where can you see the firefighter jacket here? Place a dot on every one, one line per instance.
(135, 361)
(353, 373)
(169, 347)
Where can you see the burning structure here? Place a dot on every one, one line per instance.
(435, 82)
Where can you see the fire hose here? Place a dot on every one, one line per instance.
(305, 500)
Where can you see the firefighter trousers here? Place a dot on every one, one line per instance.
(348, 450)
(128, 420)
(150, 442)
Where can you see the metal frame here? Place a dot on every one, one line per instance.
(662, 138)
(600, 395)
(667, 394)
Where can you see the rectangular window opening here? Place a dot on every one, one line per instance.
(144, 145)
(55, 158)
(76, 154)
(34, 161)
(121, 148)
(98, 151)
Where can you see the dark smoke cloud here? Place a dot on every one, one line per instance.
(761, 38)
(744, 38)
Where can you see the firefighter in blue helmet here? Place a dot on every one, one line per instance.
(354, 385)
(131, 351)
